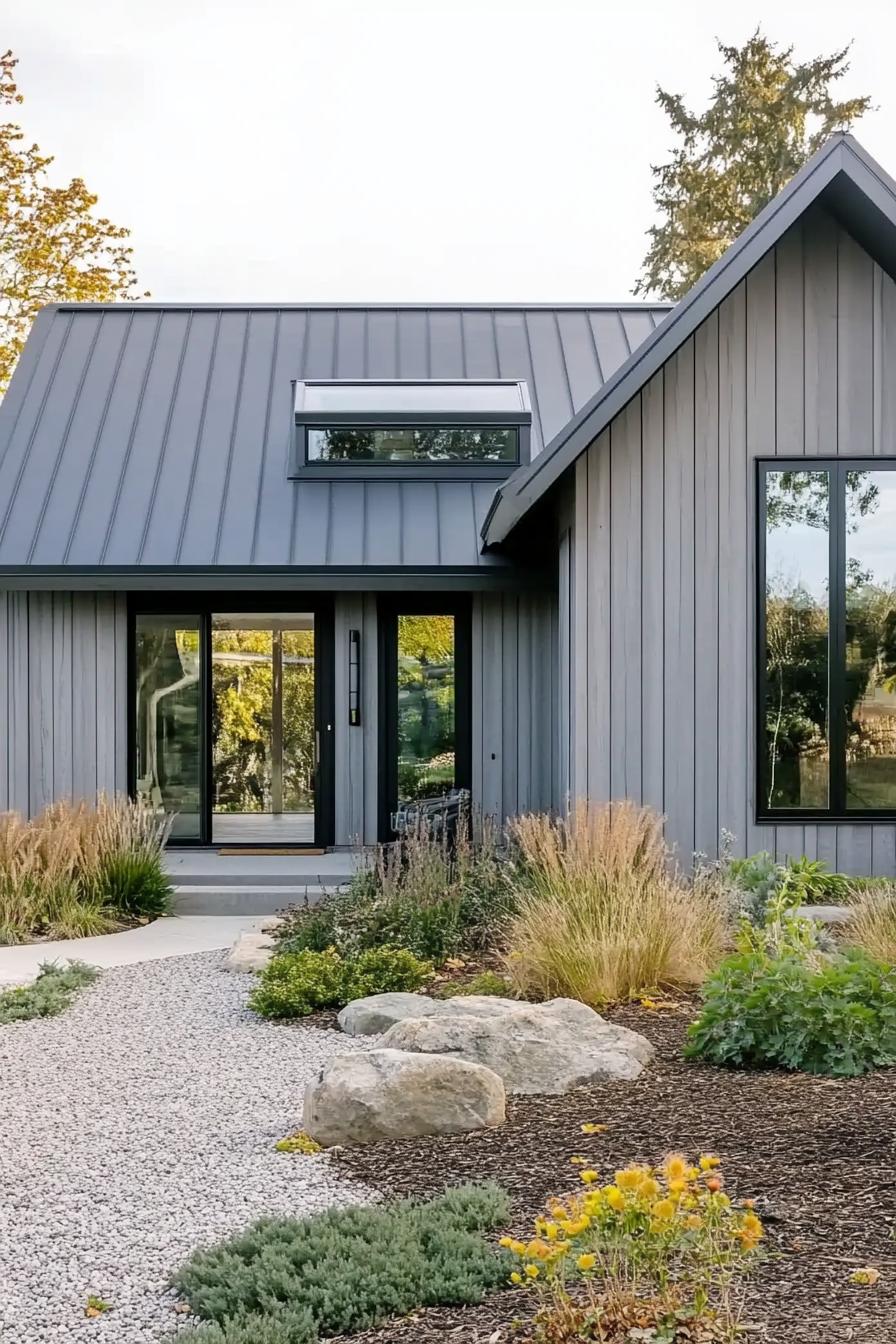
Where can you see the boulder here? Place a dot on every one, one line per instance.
(534, 1048)
(378, 1012)
(388, 1094)
(250, 952)
(270, 923)
(826, 914)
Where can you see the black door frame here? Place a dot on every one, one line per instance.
(389, 608)
(203, 605)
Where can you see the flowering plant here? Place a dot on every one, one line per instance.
(666, 1242)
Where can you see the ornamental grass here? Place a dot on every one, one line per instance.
(872, 922)
(78, 869)
(602, 914)
(655, 1249)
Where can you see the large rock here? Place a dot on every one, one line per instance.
(250, 952)
(535, 1048)
(388, 1094)
(378, 1012)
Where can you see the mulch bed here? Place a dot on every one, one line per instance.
(819, 1156)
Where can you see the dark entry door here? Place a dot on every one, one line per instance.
(425, 685)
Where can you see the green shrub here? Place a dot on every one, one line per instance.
(434, 898)
(345, 1270)
(802, 881)
(488, 982)
(51, 993)
(383, 970)
(822, 1014)
(295, 983)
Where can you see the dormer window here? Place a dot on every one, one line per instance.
(438, 429)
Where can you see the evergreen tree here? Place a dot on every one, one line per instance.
(769, 113)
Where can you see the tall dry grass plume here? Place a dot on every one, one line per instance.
(872, 923)
(603, 914)
(77, 868)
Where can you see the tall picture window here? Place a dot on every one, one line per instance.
(827, 668)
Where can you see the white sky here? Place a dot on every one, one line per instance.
(393, 149)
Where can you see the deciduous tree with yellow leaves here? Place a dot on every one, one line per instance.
(53, 246)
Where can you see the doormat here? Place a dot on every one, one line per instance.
(266, 851)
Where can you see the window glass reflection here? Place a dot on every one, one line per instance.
(796, 639)
(426, 707)
(433, 444)
(870, 687)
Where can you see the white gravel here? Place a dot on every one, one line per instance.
(135, 1127)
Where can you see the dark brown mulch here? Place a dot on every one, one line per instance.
(818, 1155)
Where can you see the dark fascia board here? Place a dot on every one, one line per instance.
(844, 178)
(479, 305)
(504, 577)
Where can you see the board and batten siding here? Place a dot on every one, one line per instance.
(658, 547)
(63, 697)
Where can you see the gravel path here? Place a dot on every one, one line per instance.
(136, 1126)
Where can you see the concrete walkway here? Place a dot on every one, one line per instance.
(175, 936)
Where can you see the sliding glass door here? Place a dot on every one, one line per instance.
(263, 728)
(232, 724)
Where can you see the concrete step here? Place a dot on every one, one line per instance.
(243, 899)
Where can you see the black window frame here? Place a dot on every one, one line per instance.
(389, 608)
(836, 813)
(301, 467)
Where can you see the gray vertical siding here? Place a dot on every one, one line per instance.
(63, 697)
(516, 763)
(660, 545)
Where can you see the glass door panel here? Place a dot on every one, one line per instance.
(263, 728)
(168, 723)
(426, 720)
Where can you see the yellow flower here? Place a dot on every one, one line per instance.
(516, 1278)
(586, 1262)
(614, 1197)
(591, 1128)
(708, 1162)
(531, 1271)
(867, 1277)
(663, 1210)
(551, 1230)
(630, 1179)
(649, 1004)
(578, 1161)
(753, 1227)
(693, 1221)
(649, 1188)
(589, 1176)
(506, 1242)
(676, 1167)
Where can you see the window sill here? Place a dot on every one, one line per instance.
(400, 471)
(826, 819)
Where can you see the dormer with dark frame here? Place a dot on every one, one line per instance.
(432, 429)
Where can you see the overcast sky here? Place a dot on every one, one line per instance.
(392, 149)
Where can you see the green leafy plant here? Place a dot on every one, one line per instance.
(290, 1281)
(486, 983)
(802, 881)
(96, 1306)
(300, 1142)
(294, 984)
(383, 970)
(787, 1008)
(436, 898)
(51, 993)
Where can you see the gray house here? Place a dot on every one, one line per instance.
(280, 570)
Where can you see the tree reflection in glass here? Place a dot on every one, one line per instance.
(426, 706)
(797, 628)
(870, 685)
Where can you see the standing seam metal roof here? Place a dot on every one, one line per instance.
(158, 435)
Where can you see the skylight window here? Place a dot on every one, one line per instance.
(400, 428)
